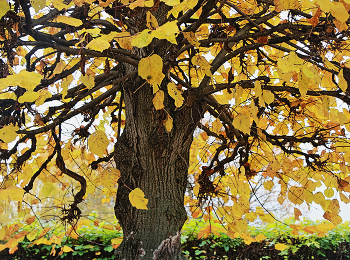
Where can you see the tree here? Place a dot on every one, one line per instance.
(262, 85)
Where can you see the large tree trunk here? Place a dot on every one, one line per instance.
(155, 161)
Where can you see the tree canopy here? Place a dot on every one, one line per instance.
(171, 103)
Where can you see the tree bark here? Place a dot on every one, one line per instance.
(157, 162)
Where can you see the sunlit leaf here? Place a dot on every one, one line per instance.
(191, 37)
(158, 100)
(285, 4)
(98, 143)
(38, 4)
(141, 3)
(281, 247)
(4, 8)
(69, 20)
(8, 133)
(171, 2)
(88, 80)
(29, 96)
(98, 45)
(150, 69)
(168, 123)
(167, 31)
(175, 94)
(152, 22)
(137, 199)
(67, 249)
(142, 39)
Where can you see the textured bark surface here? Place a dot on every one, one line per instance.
(155, 161)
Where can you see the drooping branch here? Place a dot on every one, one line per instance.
(73, 213)
(27, 154)
(30, 184)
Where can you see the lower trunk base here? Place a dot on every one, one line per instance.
(169, 249)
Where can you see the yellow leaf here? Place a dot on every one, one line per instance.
(69, 20)
(203, 64)
(117, 241)
(339, 12)
(191, 37)
(295, 194)
(257, 88)
(8, 133)
(268, 185)
(269, 218)
(59, 4)
(242, 121)
(281, 5)
(95, 31)
(329, 192)
(137, 199)
(196, 189)
(344, 198)
(13, 192)
(150, 69)
(260, 237)
(29, 96)
(98, 143)
(329, 64)
(4, 8)
(310, 229)
(217, 125)
(297, 213)
(48, 189)
(334, 206)
(167, 31)
(37, 4)
(67, 249)
(24, 79)
(268, 96)
(141, 3)
(124, 40)
(143, 39)
(43, 95)
(88, 80)
(175, 94)
(152, 22)
(168, 123)
(53, 250)
(171, 2)
(318, 198)
(102, 3)
(59, 67)
(343, 84)
(108, 226)
(334, 218)
(247, 239)
(281, 247)
(158, 100)
(310, 72)
(55, 240)
(32, 235)
(30, 220)
(182, 7)
(98, 45)
(251, 216)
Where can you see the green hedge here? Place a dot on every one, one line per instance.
(96, 244)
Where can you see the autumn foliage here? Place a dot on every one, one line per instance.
(195, 102)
